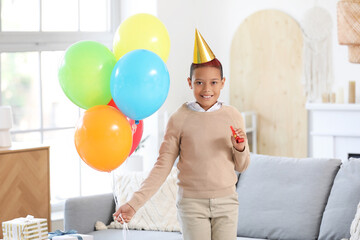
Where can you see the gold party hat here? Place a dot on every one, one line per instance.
(202, 52)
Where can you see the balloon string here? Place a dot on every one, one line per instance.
(125, 227)
(125, 230)
(133, 128)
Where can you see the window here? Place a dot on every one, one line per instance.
(33, 37)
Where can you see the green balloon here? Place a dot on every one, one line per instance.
(85, 72)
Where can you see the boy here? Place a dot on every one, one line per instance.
(199, 133)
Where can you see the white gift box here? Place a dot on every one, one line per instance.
(25, 229)
(73, 237)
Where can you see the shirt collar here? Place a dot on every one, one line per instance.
(196, 107)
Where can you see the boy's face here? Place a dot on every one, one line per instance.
(207, 84)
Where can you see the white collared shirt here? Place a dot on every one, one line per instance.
(197, 108)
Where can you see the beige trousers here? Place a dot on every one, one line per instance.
(208, 219)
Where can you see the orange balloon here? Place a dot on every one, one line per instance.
(103, 138)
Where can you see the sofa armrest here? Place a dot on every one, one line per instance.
(81, 213)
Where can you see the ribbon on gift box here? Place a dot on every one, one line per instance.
(29, 218)
(61, 233)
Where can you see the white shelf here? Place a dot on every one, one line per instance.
(334, 130)
(333, 107)
(334, 134)
(251, 128)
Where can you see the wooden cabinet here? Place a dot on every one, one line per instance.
(334, 130)
(24, 182)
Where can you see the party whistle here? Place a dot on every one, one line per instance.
(237, 138)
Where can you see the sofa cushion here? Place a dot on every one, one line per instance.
(355, 225)
(284, 198)
(245, 238)
(341, 207)
(111, 234)
(156, 214)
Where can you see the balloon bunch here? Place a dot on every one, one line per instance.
(118, 89)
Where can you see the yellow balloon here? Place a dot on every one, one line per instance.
(142, 31)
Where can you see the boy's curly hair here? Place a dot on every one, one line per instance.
(213, 63)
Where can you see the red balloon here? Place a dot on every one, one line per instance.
(136, 129)
(112, 103)
(137, 134)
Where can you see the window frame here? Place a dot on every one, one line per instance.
(39, 41)
(23, 41)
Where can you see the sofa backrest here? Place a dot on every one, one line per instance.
(81, 213)
(284, 198)
(342, 203)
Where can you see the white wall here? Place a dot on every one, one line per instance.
(131, 7)
(217, 21)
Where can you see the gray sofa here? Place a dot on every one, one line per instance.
(279, 198)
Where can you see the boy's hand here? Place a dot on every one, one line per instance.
(239, 146)
(127, 212)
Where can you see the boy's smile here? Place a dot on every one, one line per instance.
(207, 84)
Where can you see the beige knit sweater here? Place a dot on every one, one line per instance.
(207, 158)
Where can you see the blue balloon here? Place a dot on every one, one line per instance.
(139, 83)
